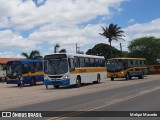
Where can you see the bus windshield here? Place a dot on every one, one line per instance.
(114, 66)
(13, 68)
(56, 66)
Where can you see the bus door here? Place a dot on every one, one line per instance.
(45, 66)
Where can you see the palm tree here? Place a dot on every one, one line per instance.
(113, 32)
(62, 51)
(33, 55)
(56, 48)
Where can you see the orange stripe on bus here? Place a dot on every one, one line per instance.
(88, 70)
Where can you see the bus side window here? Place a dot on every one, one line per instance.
(39, 66)
(25, 68)
(135, 63)
(125, 64)
(142, 63)
(32, 67)
(130, 63)
(82, 62)
(71, 65)
(87, 63)
(103, 63)
(76, 61)
(96, 63)
(92, 62)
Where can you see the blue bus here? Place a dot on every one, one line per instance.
(31, 72)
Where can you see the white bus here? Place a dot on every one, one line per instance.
(68, 69)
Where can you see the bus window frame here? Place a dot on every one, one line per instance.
(24, 72)
(71, 64)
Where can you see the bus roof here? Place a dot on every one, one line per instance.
(80, 55)
(127, 58)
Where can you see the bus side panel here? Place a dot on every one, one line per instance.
(88, 75)
(38, 75)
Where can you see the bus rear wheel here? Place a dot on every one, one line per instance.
(78, 82)
(33, 82)
(18, 84)
(98, 79)
(112, 78)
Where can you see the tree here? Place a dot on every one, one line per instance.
(56, 48)
(80, 52)
(62, 51)
(113, 32)
(35, 54)
(103, 49)
(146, 47)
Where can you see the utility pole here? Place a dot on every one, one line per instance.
(77, 49)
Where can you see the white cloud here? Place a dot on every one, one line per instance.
(26, 15)
(11, 40)
(131, 20)
(57, 22)
(151, 28)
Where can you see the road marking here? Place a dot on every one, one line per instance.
(106, 105)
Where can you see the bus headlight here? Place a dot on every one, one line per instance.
(47, 78)
(65, 77)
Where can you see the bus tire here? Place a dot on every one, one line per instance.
(18, 84)
(98, 79)
(141, 76)
(78, 82)
(127, 76)
(56, 86)
(33, 82)
(112, 78)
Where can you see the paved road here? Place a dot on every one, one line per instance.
(139, 97)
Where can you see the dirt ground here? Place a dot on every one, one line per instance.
(13, 96)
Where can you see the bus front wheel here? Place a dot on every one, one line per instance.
(112, 78)
(56, 86)
(141, 76)
(78, 82)
(128, 76)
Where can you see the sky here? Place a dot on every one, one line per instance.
(27, 25)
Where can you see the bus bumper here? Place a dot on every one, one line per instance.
(57, 82)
